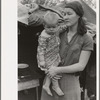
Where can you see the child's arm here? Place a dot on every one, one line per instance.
(62, 28)
(41, 51)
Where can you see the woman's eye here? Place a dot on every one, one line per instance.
(69, 13)
(63, 13)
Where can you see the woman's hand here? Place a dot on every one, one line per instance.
(56, 77)
(52, 72)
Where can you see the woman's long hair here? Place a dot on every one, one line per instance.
(81, 26)
(77, 7)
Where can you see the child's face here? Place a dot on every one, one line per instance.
(51, 28)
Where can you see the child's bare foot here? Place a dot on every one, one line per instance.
(47, 90)
(58, 91)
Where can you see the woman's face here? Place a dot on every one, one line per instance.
(71, 17)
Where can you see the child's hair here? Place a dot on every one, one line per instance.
(51, 18)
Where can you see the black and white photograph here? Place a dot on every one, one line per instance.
(55, 50)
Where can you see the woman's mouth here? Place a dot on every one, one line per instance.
(66, 20)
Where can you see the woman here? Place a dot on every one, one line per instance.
(75, 49)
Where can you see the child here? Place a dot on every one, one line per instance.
(48, 49)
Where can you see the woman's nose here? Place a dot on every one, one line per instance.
(66, 17)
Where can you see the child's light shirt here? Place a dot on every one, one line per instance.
(48, 51)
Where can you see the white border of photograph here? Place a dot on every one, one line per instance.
(97, 37)
(9, 50)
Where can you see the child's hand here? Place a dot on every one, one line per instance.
(42, 64)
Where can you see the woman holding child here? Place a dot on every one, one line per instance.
(75, 49)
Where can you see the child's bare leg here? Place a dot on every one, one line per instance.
(56, 88)
(47, 85)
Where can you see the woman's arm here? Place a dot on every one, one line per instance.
(83, 60)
